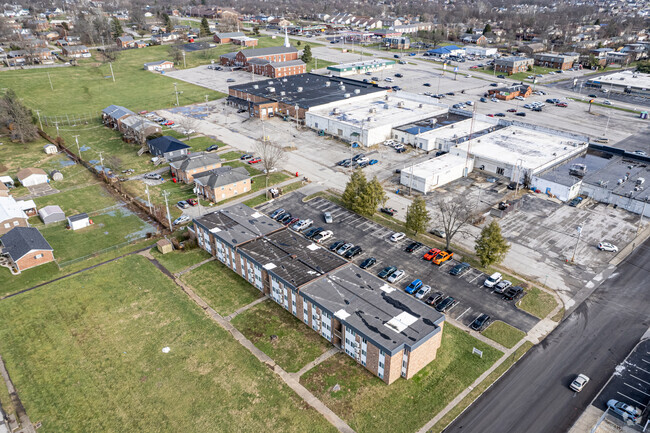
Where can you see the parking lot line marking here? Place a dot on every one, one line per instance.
(637, 378)
(630, 398)
(475, 278)
(636, 389)
(463, 313)
(645, 371)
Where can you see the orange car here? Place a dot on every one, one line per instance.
(431, 254)
(442, 257)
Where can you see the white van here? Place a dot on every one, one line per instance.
(397, 237)
(493, 280)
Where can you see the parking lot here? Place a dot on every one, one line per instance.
(473, 299)
(213, 79)
(630, 382)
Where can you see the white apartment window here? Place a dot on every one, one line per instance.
(381, 364)
(16, 223)
(7, 225)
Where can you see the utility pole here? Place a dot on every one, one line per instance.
(146, 188)
(38, 113)
(49, 78)
(110, 64)
(76, 139)
(101, 163)
(184, 65)
(165, 194)
(176, 92)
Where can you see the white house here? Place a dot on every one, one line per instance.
(79, 221)
(31, 176)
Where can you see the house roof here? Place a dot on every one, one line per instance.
(257, 52)
(125, 39)
(116, 111)
(288, 63)
(78, 217)
(26, 204)
(75, 48)
(46, 211)
(21, 240)
(10, 209)
(26, 172)
(167, 144)
(195, 160)
(230, 35)
(221, 176)
(138, 122)
(159, 62)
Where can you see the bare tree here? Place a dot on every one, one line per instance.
(455, 215)
(18, 118)
(188, 124)
(272, 154)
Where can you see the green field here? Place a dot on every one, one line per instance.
(86, 356)
(538, 303)
(296, 344)
(504, 334)
(369, 405)
(178, 260)
(199, 144)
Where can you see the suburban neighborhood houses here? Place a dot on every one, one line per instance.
(358, 217)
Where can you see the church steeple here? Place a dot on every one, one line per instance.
(286, 38)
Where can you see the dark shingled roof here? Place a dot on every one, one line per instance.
(167, 144)
(21, 240)
(221, 176)
(78, 217)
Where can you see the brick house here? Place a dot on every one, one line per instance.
(244, 41)
(125, 42)
(76, 51)
(555, 61)
(11, 214)
(26, 248)
(277, 69)
(167, 147)
(226, 38)
(113, 115)
(513, 65)
(385, 330)
(272, 54)
(187, 166)
(222, 183)
(511, 92)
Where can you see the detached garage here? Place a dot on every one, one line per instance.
(79, 221)
(32, 176)
(51, 214)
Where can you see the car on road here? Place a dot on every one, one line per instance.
(501, 76)
(502, 286)
(511, 110)
(434, 299)
(323, 236)
(386, 272)
(626, 411)
(493, 280)
(520, 114)
(396, 237)
(367, 263)
(353, 252)
(181, 219)
(399, 75)
(429, 255)
(512, 293)
(427, 84)
(344, 248)
(446, 304)
(396, 276)
(537, 109)
(414, 286)
(413, 247)
(483, 99)
(606, 246)
(212, 148)
(327, 216)
(388, 79)
(562, 105)
(607, 102)
(424, 291)
(255, 160)
(500, 114)
(480, 322)
(575, 201)
(153, 176)
(593, 96)
(579, 382)
(246, 157)
(442, 257)
(460, 269)
(493, 84)
(183, 204)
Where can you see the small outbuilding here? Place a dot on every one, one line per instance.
(79, 221)
(27, 206)
(56, 175)
(51, 214)
(32, 176)
(164, 246)
(50, 149)
(7, 181)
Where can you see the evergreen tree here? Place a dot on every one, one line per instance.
(306, 54)
(354, 190)
(361, 196)
(168, 22)
(205, 27)
(116, 28)
(491, 247)
(417, 216)
(487, 29)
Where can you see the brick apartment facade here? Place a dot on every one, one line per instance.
(555, 61)
(186, 167)
(513, 65)
(222, 183)
(388, 341)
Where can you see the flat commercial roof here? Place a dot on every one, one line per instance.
(353, 65)
(623, 78)
(238, 224)
(307, 90)
(292, 257)
(381, 111)
(513, 143)
(387, 316)
(440, 164)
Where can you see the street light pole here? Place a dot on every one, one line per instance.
(576, 247)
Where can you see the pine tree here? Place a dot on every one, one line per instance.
(361, 196)
(487, 29)
(491, 247)
(306, 54)
(168, 23)
(116, 28)
(205, 27)
(417, 216)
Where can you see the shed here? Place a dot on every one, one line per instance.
(79, 221)
(164, 246)
(56, 175)
(7, 181)
(27, 206)
(51, 214)
(32, 176)
(50, 149)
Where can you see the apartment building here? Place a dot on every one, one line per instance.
(222, 183)
(513, 65)
(555, 61)
(382, 328)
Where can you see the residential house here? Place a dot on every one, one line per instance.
(11, 214)
(279, 23)
(51, 214)
(167, 147)
(513, 65)
(113, 115)
(469, 38)
(555, 60)
(226, 38)
(272, 54)
(32, 176)
(26, 248)
(222, 183)
(185, 167)
(161, 38)
(244, 41)
(4, 190)
(125, 42)
(76, 51)
(531, 49)
(137, 128)
(160, 65)
(73, 40)
(511, 92)
(79, 221)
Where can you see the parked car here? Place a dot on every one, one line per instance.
(446, 304)
(397, 237)
(367, 263)
(414, 286)
(336, 245)
(427, 84)
(311, 233)
(460, 269)
(624, 410)
(353, 252)
(373, 162)
(246, 157)
(292, 221)
(579, 382)
(344, 248)
(511, 110)
(575, 201)
(323, 236)
(399, 75)
(282, 216)
(386, 272)
(327, 216)
(153, 176)
(358, 156)
(230, 80)
(413, 247)
(302, 225)
(434, 299)
(388, 79)
(480, 322)
(606, 246)
(181, 219)
(429, 255)
(442, 257)
(520, 114)
(424, 291)
(513, 292)
(255, 160)
(212, 148)
(396, 276)
(438, 232)
(192, 201)
(562, 104)
(502, 286)
(276, 213)
(493, 280)
(500, 114)
(183, 204)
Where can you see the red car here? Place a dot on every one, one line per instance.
(511, 110)
(192, 201)
(490, 115)
(255, 160)
(143, 112)
(431, 254)
(562, 104)
(169, 123)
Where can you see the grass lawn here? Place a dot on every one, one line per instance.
(256, 201)
(296, 345)
(480, 389)
(85, 355)
(221, 288)
(177, 192)
(233, 154)
(537, 303)
(369, 405)
(178, 260)
(503, 334)
(89, 199)
(199, 144)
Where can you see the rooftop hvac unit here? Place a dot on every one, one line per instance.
(420, 106)
(299, 89)
(357, 91)
(342, 87)
(271, 89)
(400, 104)
(255, 86)
(328, 83)
(284, 80)
(270, 83)
(346, 95)
(282, 93)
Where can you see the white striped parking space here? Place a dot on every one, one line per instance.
(463, 313)
(627, 397)
(639, 379)
(473, 278)
(636, 389)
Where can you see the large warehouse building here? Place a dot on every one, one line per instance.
(357, 68)
(623, 82)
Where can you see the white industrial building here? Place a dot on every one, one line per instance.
(479, 51)
(443, 132)
(369, 120)
(436, 172)
(357, 68)
(622, 82)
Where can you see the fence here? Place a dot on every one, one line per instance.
(97, 253)
(70, 119)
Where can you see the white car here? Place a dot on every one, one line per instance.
(396, 276)
(323, 236)
(606, 246)
(607, 102)
(344, 248)
(493, 280)
(579, 383)
(388, 79)
(398, 146)
(519, 98)
(181, 219)
(362, 160)
(494, 100)
(397, 237)
(424, 291)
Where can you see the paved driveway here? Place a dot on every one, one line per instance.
(41, 190)
(468, 289)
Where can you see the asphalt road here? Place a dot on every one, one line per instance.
(533, 397)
